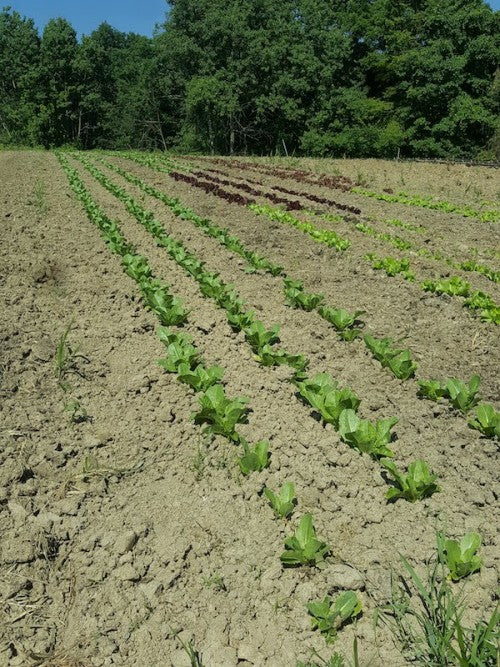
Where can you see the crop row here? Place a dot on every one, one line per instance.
(363, 227)
(478, 301)
(346, 185)
(347, 325)
(220, 415)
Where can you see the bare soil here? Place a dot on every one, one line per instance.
(129, 531)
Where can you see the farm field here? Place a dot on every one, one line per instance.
(300, 312)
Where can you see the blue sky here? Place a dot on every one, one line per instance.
(125, 15)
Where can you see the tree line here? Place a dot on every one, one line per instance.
(318, 77)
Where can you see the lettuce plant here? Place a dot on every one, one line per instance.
(399, 362)
(391, 266)
(166, 336)
(199, 377)
(258, 336)
(487, 421)
(463, 396)
(256, 459)
(417, 484)
(168, 308)
(304, 548)
(270, 356)
(454, 286)
(220, 413)
(329, 615)
(364, 436)
(284, 502)
(323, 394)
(348, 326)
(240, 320)
(179, 354)
(460, 556)
(431, 389)
(137, 267)
(297, 298)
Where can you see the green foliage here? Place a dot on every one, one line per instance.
(303, 548)
(348, 325)
(327, 237)
(199, 377)
(460, 556)
(454, 286)
(398, 361)
(392, 266)
(364, 436)
(256, 459)
(296, 297)
(258, 336)
(462, 396)
(284, 502)
(487, 421)
(168, 308)
(220, 413)
(322, 394)
(417, 484)
(329, 615)
(179, 353)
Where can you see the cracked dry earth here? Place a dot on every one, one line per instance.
(125, 531)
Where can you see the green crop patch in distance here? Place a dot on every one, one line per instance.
(391, 266)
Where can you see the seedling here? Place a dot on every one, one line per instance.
(323, 394)
(296, 297)
(463, 396)
(168, 308)
(65, 358)
(137, 267)
(398, 361)
(347, 325)
(283, 503)
(166, 336)
(78, 412)
(304, 548)
(391, 266)
(220, 413)
(258, 336)
(328, 616)
(487, 421)
(199, 378)
(460, 556)
(417, 484)
(364, 436)
(454, 286)
(270, 356)
(255, 459)
(431, 389)
(179, 354)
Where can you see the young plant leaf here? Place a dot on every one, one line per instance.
(220, 413)
(283, 503)
(199, 378)
(304, 548)
(487, 421)
(461, 557)
(364, 436)
(417, 484)
(256, 459)
(328, 616)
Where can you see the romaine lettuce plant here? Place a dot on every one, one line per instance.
(220, 413)
(254, 459)
(258, 336)
(348, 326)
(323, 394)
(460, 556)
(304, 548)
(297, 298)
(328, 615)
(454, 286)
(487, 421)
(284, 502)
(463, 396)
(179, 354)
(391, 266)
(364, 436)
(199, 377)
(137, 267)
(417, 484)
(271, 356)
(398, 361)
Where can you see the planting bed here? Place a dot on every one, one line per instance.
(133, 536)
